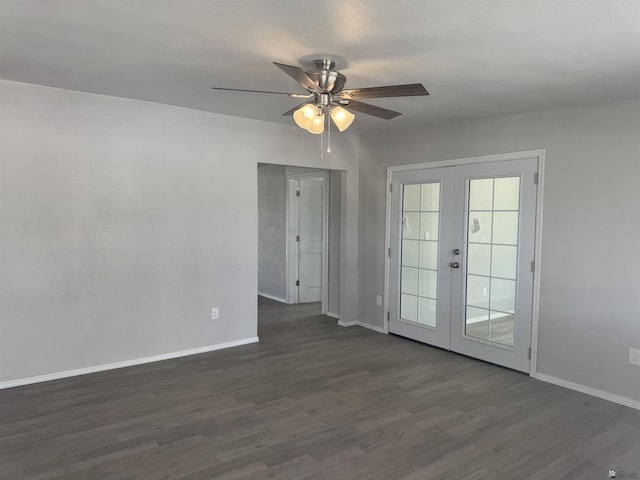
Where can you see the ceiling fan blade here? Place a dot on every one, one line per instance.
(298, 75)
(294, 95)
(290, 112)
(369, 109)
(409, 90)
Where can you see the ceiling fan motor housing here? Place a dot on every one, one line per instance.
(327, 79)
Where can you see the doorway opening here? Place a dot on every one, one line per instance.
(299, 222)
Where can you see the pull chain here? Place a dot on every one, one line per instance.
(321, 145)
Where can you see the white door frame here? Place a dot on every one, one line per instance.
(500, 157)
(292, 245)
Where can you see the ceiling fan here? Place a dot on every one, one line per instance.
(327, 96)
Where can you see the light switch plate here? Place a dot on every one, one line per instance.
(634, 356)
(215, 313)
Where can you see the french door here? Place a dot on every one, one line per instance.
(462, 250)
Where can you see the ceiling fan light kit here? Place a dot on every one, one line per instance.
(327, 98)
(311, 117)
(341, 117)
(317, 124)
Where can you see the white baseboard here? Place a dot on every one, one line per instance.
(333, 315)
(594, 392)
(362, 324)
(127, 363)
(347, 324)
(272, 297)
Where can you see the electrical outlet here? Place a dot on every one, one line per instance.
(215, 313)
(379, 300)
(634, 356)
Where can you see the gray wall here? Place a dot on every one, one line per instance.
(272, 234)
(335, 178)
(590, 266)
(123, 222)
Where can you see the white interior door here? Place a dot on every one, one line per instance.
(311, 206)
(476, 225)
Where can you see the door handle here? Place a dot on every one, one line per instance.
(454, 265)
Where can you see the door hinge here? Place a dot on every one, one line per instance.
(529, 353)
(533, 266)
(297, 238)
(297, 193)
(388, 316)
(391, 187)
(389, 252)
(535, 178)
(297, 283)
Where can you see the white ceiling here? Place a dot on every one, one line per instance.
(481, 58)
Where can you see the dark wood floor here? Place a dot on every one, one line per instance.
(313, 401)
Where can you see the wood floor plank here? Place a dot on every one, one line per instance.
(314, 401)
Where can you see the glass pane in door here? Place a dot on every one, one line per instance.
(419, 256)
(492, 253)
